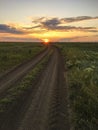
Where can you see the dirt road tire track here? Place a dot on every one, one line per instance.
(58, 111)
(46, 106)
(17, 73)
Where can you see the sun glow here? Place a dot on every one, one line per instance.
(46, 41)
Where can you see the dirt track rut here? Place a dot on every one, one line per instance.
(17, 73)
(46, 107)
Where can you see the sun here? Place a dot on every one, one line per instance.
(46, 41)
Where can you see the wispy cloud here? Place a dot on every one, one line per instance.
(71, 38)
(78, 19)
(44, 24)
(64, 20)
(9, 29)
(54, 25)
(18, 39)
(33, 27)
(60, 24)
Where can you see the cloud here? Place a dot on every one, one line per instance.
(9, 29)
(41, 19)
(60, 24)
(14, 39)
(62, 20)
(33, 27)
(71, 38)
(44, 24)
(51, 22)
(77, 19)
(56, 24)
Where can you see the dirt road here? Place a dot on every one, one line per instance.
(16, 74)
(46, 107)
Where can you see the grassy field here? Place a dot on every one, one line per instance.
(26, 85)
(12, 54)
(81, 63)
(81, 60)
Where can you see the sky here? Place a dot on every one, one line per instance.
(49, 20)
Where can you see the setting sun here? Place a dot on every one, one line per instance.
(46, 41)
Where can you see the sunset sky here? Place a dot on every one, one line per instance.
(55, 20)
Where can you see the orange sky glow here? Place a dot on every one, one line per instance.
(34, 21)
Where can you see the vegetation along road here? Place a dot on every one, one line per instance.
(19, 71)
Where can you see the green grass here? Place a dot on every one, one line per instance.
(81, 61)
(18, 90)
(12, 54)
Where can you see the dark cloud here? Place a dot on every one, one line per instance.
(8, 29)
(60, 24)
(51, 22)
(77, 19)
(55, 24)
(33, 27)
(55, 21)
(44, 24)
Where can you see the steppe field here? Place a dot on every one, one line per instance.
(48, 87)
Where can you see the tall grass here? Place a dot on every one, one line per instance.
(81, 61)
(27, 85)
(12, 54)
